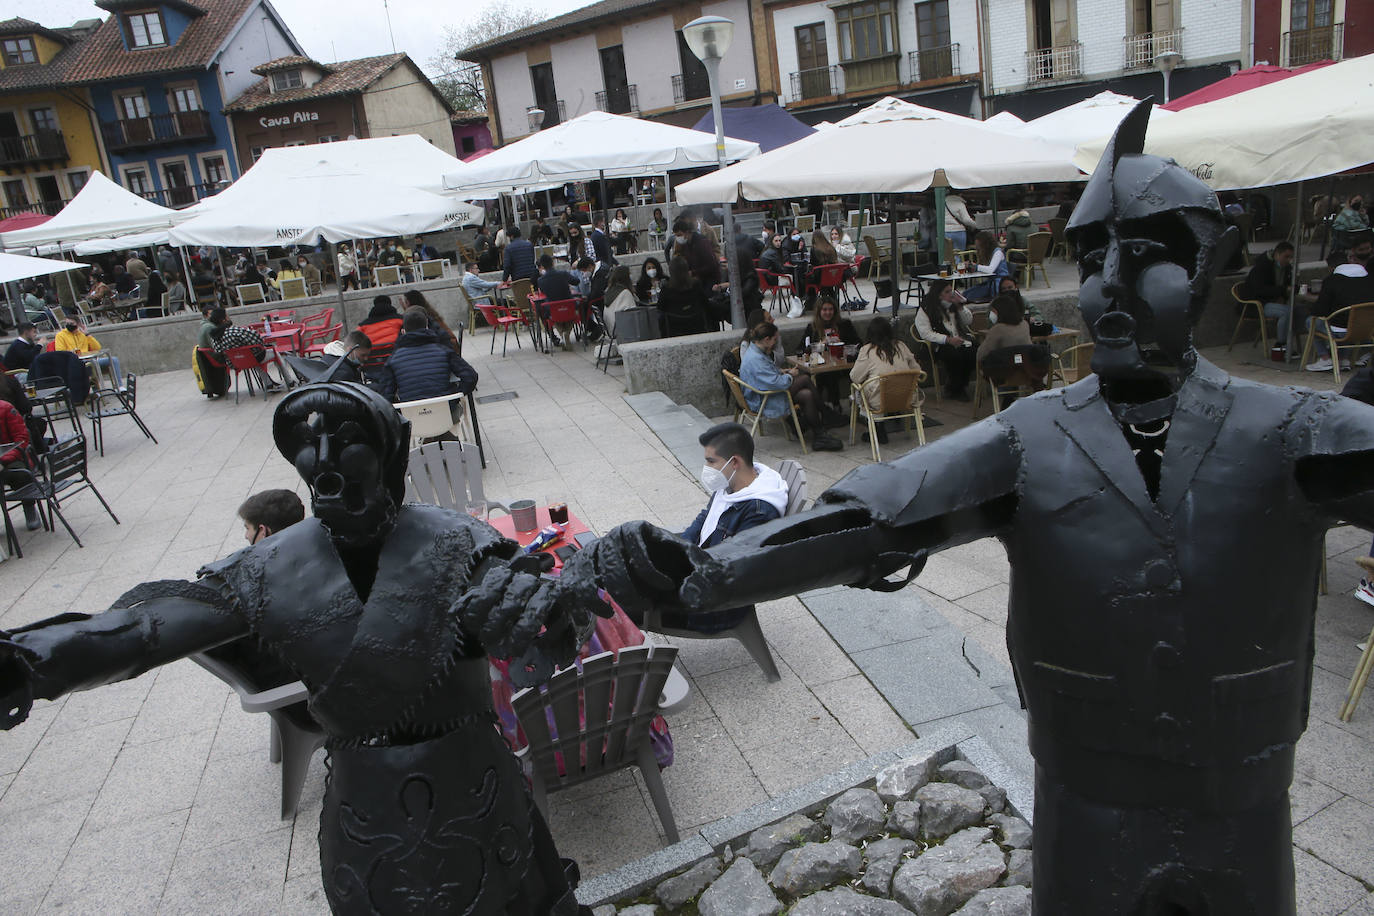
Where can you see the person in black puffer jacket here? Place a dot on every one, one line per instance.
(420, 366)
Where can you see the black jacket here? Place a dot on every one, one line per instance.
(519, 261)
(1267, 281)
(1340, 290)
(420, 367)
(21, 353)
(558, 285)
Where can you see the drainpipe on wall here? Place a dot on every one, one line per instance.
(985, 52)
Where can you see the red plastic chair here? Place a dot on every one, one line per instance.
(318, 320)
(500, 316)
(566, 311)
(286, 316)
(243, 359)
(827, 277)
(314, 340)
(778, 285)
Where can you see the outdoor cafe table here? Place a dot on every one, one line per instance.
(828, 363)
(505, 524)
(291, 336)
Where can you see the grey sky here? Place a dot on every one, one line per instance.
(338, 30)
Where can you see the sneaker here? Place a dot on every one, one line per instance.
(1365, 563)
(558, 341)
(823, 442)
(1321, 365)
(797, 308)
(1365, 592)
(1364, 359)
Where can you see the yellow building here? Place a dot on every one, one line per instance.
(48, 140)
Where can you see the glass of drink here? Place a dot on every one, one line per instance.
(477, 509)
(558, 512)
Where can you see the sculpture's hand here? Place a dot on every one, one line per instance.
(644, 567)
(16, 686)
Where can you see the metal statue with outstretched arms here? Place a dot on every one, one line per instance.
(1164, 524)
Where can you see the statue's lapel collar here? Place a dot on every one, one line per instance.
(1203, 403)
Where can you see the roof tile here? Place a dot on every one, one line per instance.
(347, 77)
(606, 9)
(103, 56)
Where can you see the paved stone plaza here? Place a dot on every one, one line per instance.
(158, 795)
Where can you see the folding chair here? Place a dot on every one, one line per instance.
(1243, 309)
(61, 470)
(594, 719)
(899, 398)
(127, 400)
(743, 411)
(447, 473)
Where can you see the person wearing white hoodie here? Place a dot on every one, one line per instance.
(743, 495)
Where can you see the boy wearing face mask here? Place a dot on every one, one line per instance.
(743, 495)
(73, 337)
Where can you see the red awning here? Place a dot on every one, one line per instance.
(1240, 81)
(23, 221)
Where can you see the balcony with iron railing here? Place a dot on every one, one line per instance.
(689, 87)
(1311, 45)
(817, 83)
(45, 207)
(933, 63)
(40, 147)
(156, 130)
(1045, 65)
(1142, 49)
(623, 101)
(184, 196)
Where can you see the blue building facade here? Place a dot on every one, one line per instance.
(159, 77)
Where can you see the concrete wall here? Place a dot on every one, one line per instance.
(163, 344)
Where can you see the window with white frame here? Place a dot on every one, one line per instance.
(132, 105)
(145, 29)
(296, 143)
(137, 180)
(213, 170)
(19, 51)
(287, 79)
(183, 98)
(329, 138)
(256, 153)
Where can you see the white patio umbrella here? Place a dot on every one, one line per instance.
(1005, 120)
(101, 209)
(1087, 120)
(22, 267)
(1307, 126)
(889, 108)
(593, 146)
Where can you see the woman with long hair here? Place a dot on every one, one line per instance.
(844, 248)
(651, 277)
(758, 370)
(881, 355)
(826, 326)
(619, 296)
(990, 257)
(682, 300)
(620, 231)
(946, 323)
(415, 298)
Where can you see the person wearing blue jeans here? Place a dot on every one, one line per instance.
(1269, 281)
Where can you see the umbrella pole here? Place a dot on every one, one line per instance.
(939, 221)
(1326, 236)
(894, 261)
(1293, 286)
(601, 192)
(186, 273)
(338, 287)
(994, 210)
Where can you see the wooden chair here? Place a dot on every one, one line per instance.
(433, 417)
(1244, 307)
(250, 294)
(899, 398)
(448, 474)
(388, 276)
(295, 733)
(1037, 247)
(1022, 380)
(520, 292)
(593, 720)
(1059, 242)
(1071, 364)
(1358, 679)
(1349, 328)
(923, 345)
(293, 289)
(878, 258)
(756, 417)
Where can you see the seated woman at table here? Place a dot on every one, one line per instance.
(822, 253)
(754, 319)
(227, 336)
(620, 231)
(651, 278)
(682, 300)
(73, 338)
(827, 326)
(1006, 354)
(285, 272)
(176, 292)
(758, 370)
(990, 258)
(774, 257)
(620, 295)
(946, 323)
(1009, 327)
(557, 286)
(659, 224)
(882, 355)
(844, 247)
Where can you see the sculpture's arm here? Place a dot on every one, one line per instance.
(878, 520)
(1335, 467)
(79, 651)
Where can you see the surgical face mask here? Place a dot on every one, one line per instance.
(992, 317)
(796, 237)
(713, 479)
(391, 248)
(651, 273)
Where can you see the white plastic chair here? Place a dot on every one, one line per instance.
(619, 693)
(250, 293)
(432, 417)
(447, 474)
(432, 270)
(293, 289)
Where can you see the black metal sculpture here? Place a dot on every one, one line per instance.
(386, 612)
(1164, 524)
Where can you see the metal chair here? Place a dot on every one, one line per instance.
(295, 734)
(446, 473)
(593, 720)
(1037, 247)
(806, 223)
(250, 294)
(1071, 364)
(1059, 242)
(756, 417)
(387, 276)
(929, 348)
(293, 289)
(62, 469)
(55, 401)
(127, 400)
(1349, 328)
(432, 270)
(899, 398)
(1243, 315)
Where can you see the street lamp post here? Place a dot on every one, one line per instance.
(1165, 62)
(709, 38)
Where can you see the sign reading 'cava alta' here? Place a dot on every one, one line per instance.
(296, 117)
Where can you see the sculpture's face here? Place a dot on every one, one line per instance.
(343, 466)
